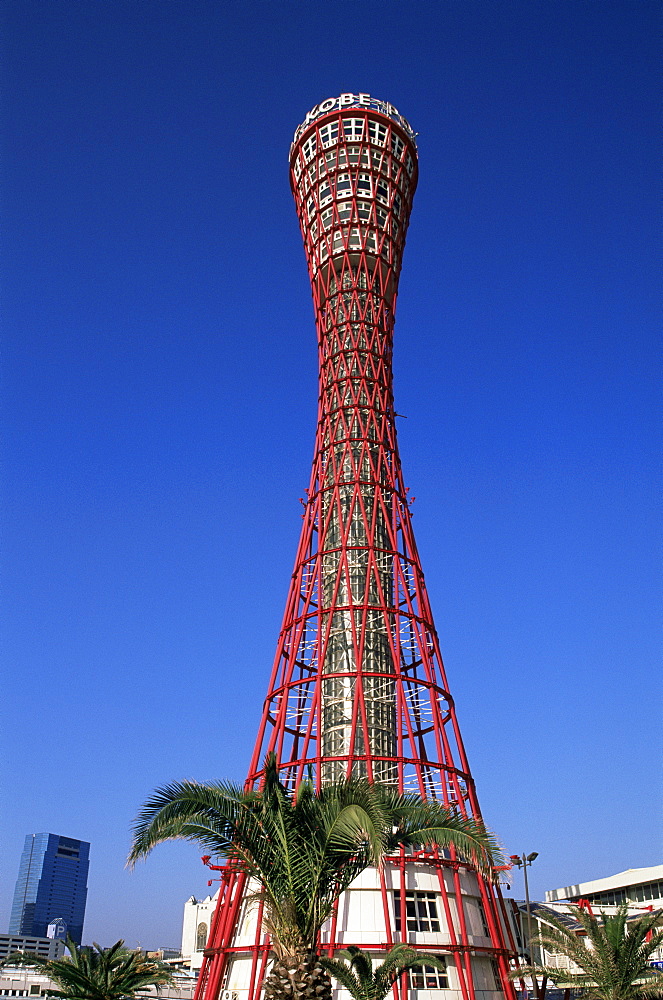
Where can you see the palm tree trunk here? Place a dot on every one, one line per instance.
(298, 978)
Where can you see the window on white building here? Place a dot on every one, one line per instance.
(420, 910)
(427, 977)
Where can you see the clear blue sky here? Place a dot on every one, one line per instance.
(159, 395)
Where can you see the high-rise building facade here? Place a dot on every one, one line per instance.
(51, 886)
(358, 685)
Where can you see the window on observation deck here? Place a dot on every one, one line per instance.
(377, 133)
(364, 185)
(357, 154)
(329, 134)
(398, 204)
(311, 207)
(382, 191)
(297, 169)
(381, 216)
(409, 164)
(326, 218)
(343, 186)
(364, 210)
(397, 145)
(324, 192)
(353, 128)
(344, 211)
(309, 148)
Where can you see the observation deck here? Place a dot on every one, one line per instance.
(353, 173)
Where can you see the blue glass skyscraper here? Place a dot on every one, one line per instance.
(51, 884)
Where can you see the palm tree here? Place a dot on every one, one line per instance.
(612, 955)
(365, 983)
(97, 973)
(303, 850)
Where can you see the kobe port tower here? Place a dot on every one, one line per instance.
(358, 686)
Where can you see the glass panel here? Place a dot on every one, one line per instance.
(377, 133)
(309, 148)
(353, 128)
(397, 145)
(329, 134)
(382, 191)
(364, 185)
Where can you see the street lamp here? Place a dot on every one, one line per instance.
(524, 861)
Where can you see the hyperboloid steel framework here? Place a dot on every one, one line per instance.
(358, 685)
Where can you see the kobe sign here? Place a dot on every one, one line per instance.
(354, 101)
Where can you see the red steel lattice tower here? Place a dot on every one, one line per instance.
(358, 685)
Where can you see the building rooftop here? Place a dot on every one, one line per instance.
(633, 876)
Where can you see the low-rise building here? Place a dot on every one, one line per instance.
(198, 915)
(639, 887)
(23, 981)
(43, 947)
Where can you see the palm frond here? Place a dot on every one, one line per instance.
(346, 976)
(611, 955)
(96, 973)
(303, 849)
(402, 957)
